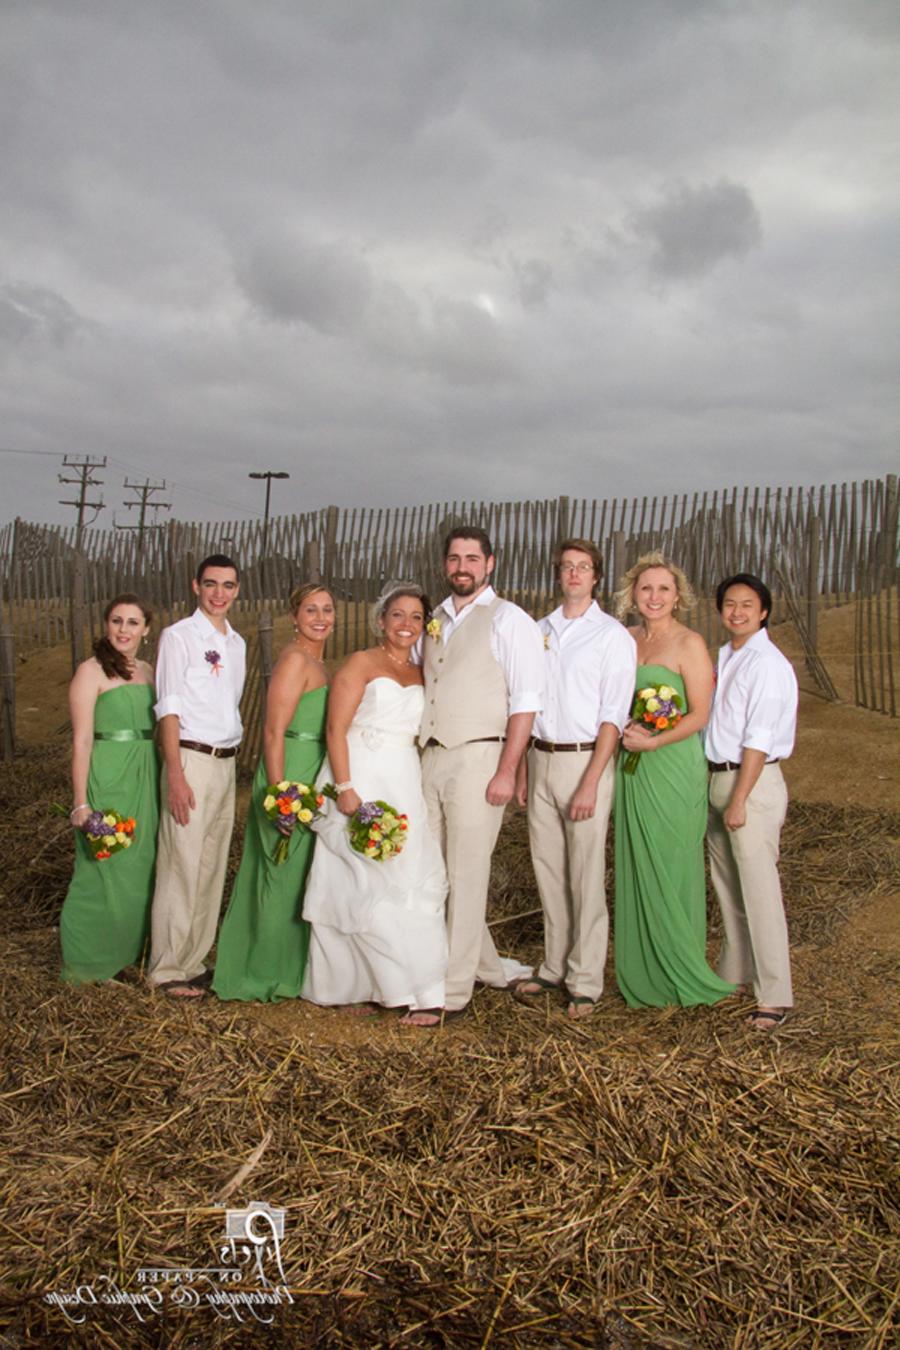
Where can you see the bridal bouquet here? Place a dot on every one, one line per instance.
(108, 832)
(659, 707)
(377, 830)
(288, 805)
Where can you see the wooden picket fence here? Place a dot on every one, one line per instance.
(816, 547)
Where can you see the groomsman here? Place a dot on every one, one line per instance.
(199, 681)
(751, 728)
(590, 662)
(483, 664)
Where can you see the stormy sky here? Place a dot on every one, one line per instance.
(416, 250)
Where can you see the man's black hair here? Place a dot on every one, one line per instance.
(217, 560)
(746, 579)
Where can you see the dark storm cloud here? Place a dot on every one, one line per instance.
(693, 228)
(495, 249)
(293, 280)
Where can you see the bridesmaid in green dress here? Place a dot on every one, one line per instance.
(263, 941)
(661, 809)
(103, 925)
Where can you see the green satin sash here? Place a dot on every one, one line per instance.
(129, 734)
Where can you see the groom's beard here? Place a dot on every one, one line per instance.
(463, 583)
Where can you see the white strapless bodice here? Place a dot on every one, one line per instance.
(389, 714)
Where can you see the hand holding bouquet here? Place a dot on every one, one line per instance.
(657, 708)
(377, 830)
(108, 832)
(288, 805)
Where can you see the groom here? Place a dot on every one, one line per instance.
(484, 673)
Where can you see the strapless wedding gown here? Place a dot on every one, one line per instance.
(378, 932)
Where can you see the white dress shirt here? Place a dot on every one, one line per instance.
(200, 679)
(755, 702)
(590, 665)
(516, 646)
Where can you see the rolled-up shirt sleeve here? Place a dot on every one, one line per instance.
(171, 662)
(770, 694)
(520, 652)
(617, 680)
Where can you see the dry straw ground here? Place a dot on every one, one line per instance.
(664, 1179)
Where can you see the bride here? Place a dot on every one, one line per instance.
(378, 937)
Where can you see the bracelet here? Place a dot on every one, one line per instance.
(79, 807)
(342, 787)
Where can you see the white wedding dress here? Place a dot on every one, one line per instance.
(378, 933)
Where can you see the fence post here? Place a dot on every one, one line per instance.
(812, 584)
(8, 693)
(331, 524)
(616, 567)
(891, 514)
(562, 519)
(265, 647)
(264, 634)
(311, 569)
(619, 566)
(76, 610)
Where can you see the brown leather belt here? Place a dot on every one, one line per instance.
(479, 740)
(728, 767)
(217, 751)
(554, 747)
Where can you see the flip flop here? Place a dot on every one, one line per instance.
(178, 989)
(544, 987)
(580, 1006)
(760, 1015)
(437, 1013)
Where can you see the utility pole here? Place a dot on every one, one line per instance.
(268, 475)
(144, 492)
(84, 469)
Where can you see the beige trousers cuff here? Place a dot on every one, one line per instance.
(454, 783)
(190, 870)
(744, 868)
(569, 860)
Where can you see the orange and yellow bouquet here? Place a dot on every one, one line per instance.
(108, 832)
(657, 707)
(288, 805)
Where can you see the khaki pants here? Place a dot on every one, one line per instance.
(190, 870)
(744, 867)
(454, 783)
(569, 859)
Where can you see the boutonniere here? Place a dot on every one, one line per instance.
(215, 660)
(433, 629)
(546, 642)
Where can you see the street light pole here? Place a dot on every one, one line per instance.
(268, 475)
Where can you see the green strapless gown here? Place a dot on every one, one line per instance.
(263, 941)
(104, 920)
(660, 914)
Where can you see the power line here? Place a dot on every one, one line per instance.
(241, 507)
(84, 469)
(7, 450)
(143, 503)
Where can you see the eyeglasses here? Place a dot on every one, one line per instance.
(576, 567)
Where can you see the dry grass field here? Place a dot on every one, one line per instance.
(659, 1179)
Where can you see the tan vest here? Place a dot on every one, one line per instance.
(466, 697)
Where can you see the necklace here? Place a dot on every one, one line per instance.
(307, 652)
(396, 660)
